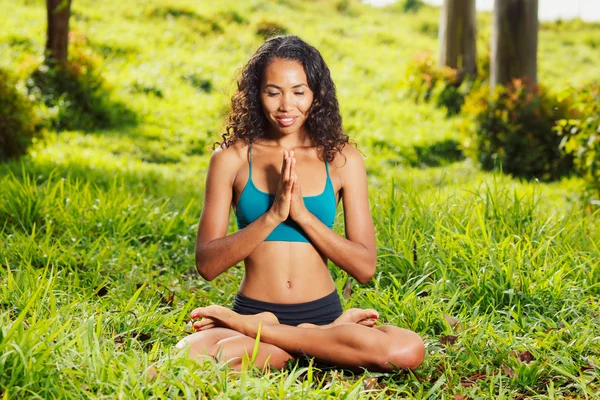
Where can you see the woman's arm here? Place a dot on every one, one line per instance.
(216, 252)
(357, 253)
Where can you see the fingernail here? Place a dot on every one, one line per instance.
(194, 315)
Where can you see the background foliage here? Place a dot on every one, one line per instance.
(513, 128)
(18, 120)
(581, 134)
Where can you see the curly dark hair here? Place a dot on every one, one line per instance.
(324, 122)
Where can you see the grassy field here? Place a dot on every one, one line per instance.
(501, 277)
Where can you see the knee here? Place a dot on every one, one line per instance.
(415, 353)
(407, 353)
(411, 354)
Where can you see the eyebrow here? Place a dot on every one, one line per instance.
(279, 88)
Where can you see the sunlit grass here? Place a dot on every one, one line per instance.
(97, 229)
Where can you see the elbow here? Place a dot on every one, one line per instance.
(203, 268)
(206, 275)
(367, 272)
(364, 278)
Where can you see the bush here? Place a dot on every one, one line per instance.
(514, 128)
(77, 95)
(412, 5)
(18, 120)
(268, 29)
(581, 134)
(426, 82)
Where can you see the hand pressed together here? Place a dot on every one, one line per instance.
(288, 197)
(297, 208)
(281, 205)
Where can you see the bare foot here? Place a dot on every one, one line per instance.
(367, 317)
(213, 316)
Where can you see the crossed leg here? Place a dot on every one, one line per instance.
(229, 336)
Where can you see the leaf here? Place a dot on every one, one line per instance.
(143, 337)
(256, 344)
(415, 258)
(526, 357)
(102, 291)
(468, 382)
(370, 383)
(133, 299)
(347, 289)
(508, 371)
(451, 320)
(448, 340)
(435, 388)
(151, 373)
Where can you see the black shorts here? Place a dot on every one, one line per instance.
(322, 311)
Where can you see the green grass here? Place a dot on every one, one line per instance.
(97, 228)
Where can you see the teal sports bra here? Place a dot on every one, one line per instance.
(253, 203)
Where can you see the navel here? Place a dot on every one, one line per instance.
(289, 284)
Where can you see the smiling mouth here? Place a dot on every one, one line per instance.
(286, 121)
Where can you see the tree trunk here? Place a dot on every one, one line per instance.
(57, 40)
(514, 41)
(458, 27)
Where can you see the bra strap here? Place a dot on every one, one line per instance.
(250, 174)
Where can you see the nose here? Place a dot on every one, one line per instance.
(286, 102)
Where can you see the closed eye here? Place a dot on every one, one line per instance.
(272, 94)
(300, 93)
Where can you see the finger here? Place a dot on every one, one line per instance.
(297, 186)
(197, 312)
(288, 166)
(292, 185)
(284, 163)
(293, 188)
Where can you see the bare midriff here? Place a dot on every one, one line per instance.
(286, 273)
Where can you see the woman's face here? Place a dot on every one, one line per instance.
(285, 95)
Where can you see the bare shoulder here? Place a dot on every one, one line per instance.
(349, 160)
(226, 161)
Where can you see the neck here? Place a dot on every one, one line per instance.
(289, 141)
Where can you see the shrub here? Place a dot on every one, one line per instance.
(18, 120)
(77, 93)
(412, 5)
(347, 8)
(513, 128)
(581, 134)
(451, 98)
(268, 29)
(427, 82)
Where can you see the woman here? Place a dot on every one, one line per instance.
(283, 165)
